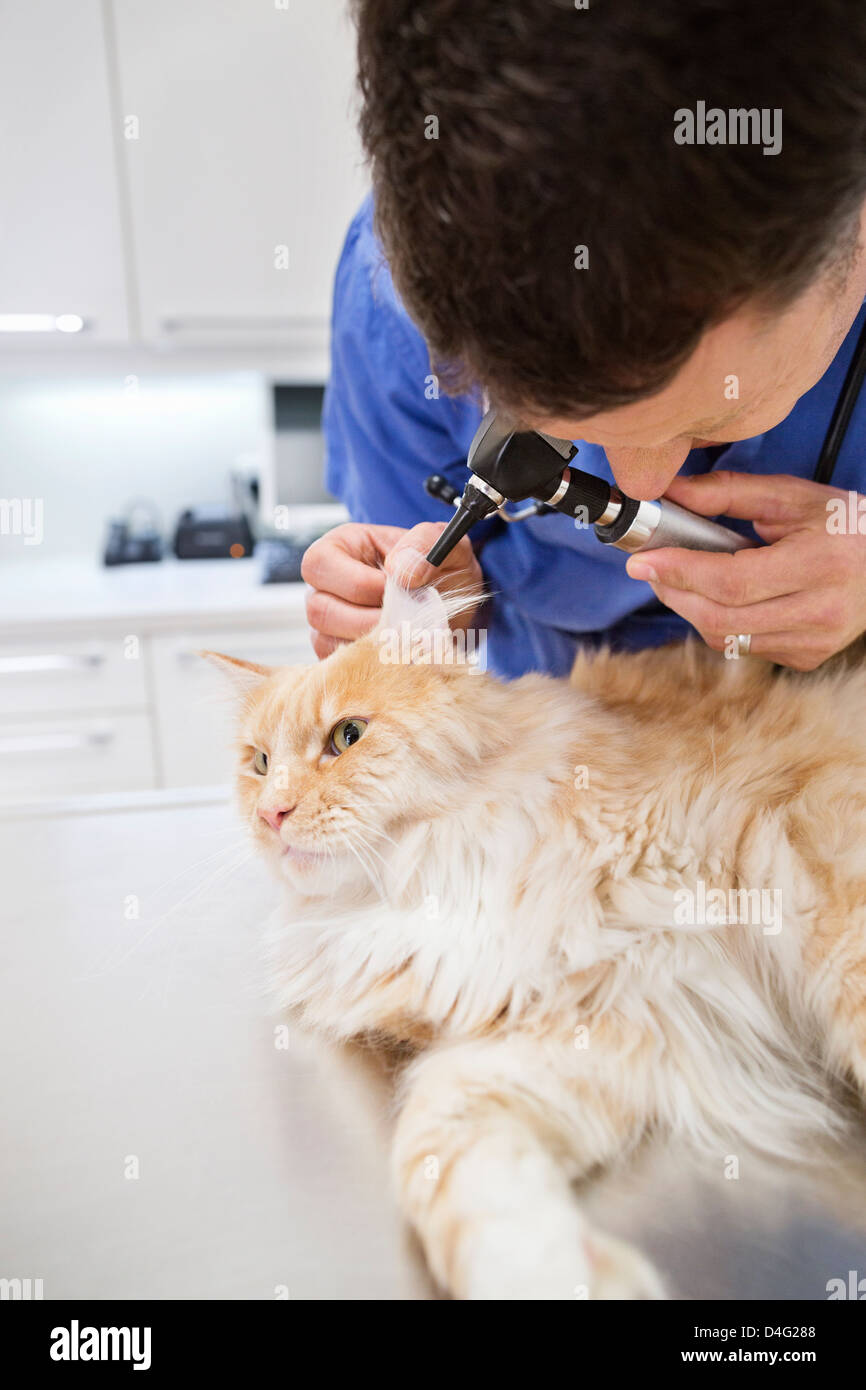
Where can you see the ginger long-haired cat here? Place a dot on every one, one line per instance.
(588, 909)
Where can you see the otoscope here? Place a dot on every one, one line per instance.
(506, 465)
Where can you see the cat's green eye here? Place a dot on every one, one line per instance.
(347, 732)
(260, 762)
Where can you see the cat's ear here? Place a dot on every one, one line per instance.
(414, 626)
(413, 610)
(245, 676)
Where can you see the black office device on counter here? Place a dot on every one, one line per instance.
(212, 533)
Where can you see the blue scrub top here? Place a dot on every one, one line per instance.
(553, 586)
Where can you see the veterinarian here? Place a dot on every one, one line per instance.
(638, 226)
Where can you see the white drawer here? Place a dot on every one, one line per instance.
(66, 756)
(37, 677)
(195, 705)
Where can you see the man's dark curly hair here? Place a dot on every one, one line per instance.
(556, 130)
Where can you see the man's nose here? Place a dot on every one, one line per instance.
(276, 815)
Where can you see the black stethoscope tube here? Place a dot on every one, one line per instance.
(842, 412)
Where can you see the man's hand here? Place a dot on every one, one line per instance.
(802, 596)
(345, 571)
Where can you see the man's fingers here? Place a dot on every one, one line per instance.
(407, 561)
(334, 617)
(330, 566)
(323, 646)
(370, 543)
(773, 498)
(746, 576)
(770, 532)
(799, 651)
(407, 564)
(774, 615)
(347, 568)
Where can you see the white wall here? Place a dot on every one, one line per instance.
(87, 446)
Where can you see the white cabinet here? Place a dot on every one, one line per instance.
(109, 712)
(68, 755)
(73, 717)
(50, 675)
(60, 240)
(243, 164)
(176, 172)
(102, 687)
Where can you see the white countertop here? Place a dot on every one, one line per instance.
(68, 593)
(151, 1038)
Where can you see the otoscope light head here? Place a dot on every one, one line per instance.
(504, 465)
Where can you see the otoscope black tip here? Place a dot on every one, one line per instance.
(475, 505)
(462, 520)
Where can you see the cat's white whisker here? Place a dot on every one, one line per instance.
(222, 872)
(237, 844)
(363, 860)
(380, 833)
(371, 849)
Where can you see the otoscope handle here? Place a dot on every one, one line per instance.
(678, 526)
(651, 525)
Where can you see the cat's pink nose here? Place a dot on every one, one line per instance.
(276, 817)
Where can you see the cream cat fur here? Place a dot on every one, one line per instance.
(499, 876)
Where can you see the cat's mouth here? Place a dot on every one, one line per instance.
(300, 857)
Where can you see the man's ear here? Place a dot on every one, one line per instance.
(245, 676)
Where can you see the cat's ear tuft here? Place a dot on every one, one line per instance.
(245, 676)
(412, 610)
(414, 626)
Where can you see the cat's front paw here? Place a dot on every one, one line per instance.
(620, 1271)
(516, 1260)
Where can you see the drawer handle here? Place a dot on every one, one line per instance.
(56, 742)
(50, 661)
